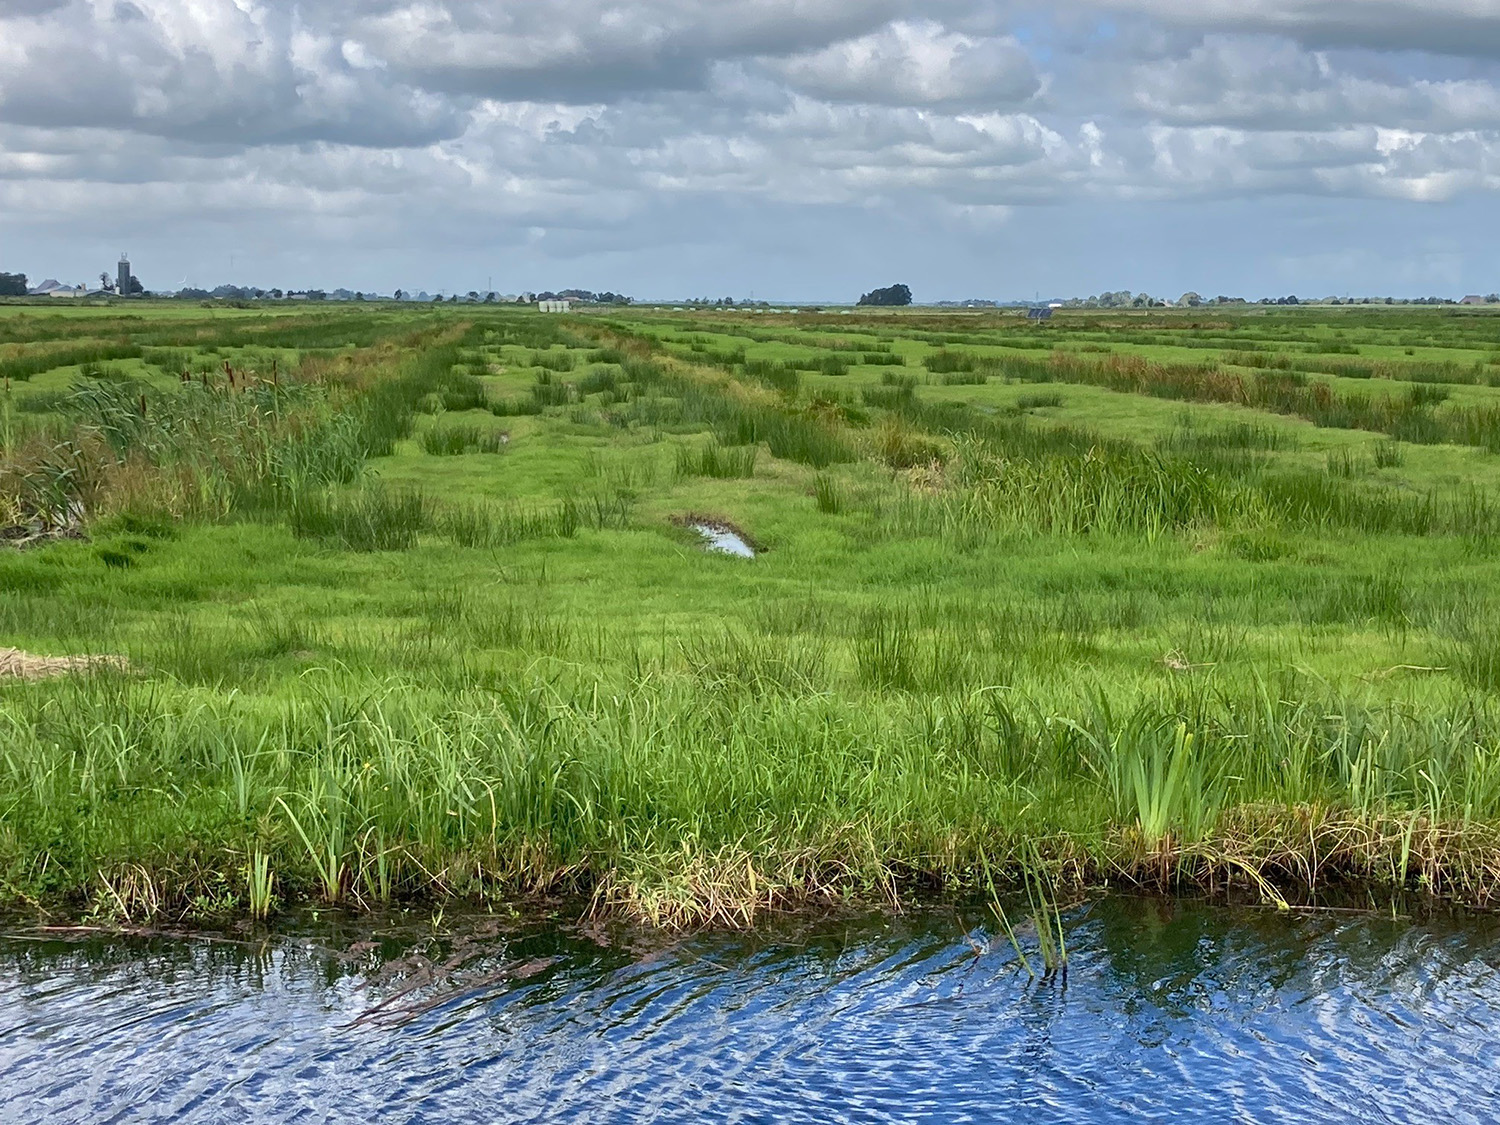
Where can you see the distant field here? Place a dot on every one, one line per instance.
(412, 606)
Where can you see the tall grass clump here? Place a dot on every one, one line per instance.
(553, 360)
(546, 392)
(944, 362)
(485, 525)
(599, 380)
(828, 495)
(368, 519)
(386, 410)
(511, 407)
(1342, 463)
(792, 437)
(715, 460)
(463, 392)
(782, 377)
(1098, 492)
(1039, 401)
(449, 440)
(452, 439)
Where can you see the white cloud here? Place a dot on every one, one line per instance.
(433, 119)
(1258, 82)
(916, 63)
(209, 71)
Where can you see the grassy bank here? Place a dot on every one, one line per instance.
(410, 610)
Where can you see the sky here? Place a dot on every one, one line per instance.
(781, 149)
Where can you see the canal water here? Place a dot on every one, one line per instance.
(1169, 1011)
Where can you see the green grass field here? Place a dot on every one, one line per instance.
(412, 608)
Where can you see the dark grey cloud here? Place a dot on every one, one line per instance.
(584, 51)
(10, 9)
(1451, 27)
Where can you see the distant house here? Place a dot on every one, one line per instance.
(553, 306)
(1039, 312)
(1472, 299)
(54, 288)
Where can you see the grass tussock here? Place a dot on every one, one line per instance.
(715, 460)
(453, 439)
(370, 519)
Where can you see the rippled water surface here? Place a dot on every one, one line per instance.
(1169, 1011)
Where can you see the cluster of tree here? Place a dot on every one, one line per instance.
(12, 285)
(1123, 299)
(891, 295)
(1191, 300)
(254, 293)
(228, 293)
(604, 298)
(133, 287)
(1416, 301)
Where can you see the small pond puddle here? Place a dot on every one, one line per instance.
(723, 540)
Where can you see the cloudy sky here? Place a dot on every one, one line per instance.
(793, 149)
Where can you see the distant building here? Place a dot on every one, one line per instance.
(553, 306)
(54, 288)
(1039, 312)
(1472, 299)
(122, 276)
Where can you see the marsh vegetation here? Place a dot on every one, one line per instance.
(410, 606)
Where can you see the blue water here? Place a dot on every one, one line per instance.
(1169, 1012)
(724, 541)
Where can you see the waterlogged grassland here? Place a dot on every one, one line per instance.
(412, 610)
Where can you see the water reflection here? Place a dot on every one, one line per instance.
(1169, 1011)
(724, 540)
